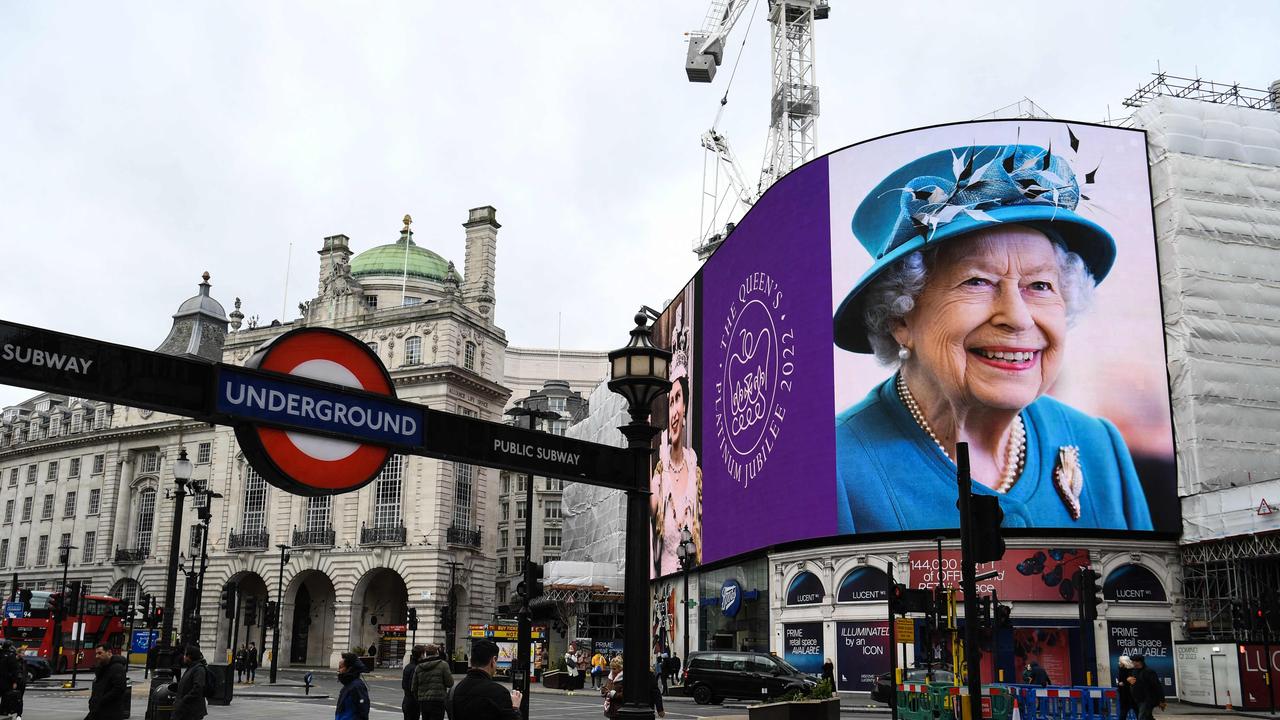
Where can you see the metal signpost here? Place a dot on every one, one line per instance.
(285, 387)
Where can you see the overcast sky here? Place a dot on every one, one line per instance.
(144, 143)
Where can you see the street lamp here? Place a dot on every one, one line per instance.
(525, 630)
(450, 620)
(64, 557)
(639, 374)
(164, 651)
(687, 553)
(275, 628)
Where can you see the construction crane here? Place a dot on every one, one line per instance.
(793, 110)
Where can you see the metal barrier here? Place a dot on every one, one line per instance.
(1065, 702)
(998, 702)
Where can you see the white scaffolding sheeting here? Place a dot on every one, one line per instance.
(1215, 176)
(595, 518)
(599, 576)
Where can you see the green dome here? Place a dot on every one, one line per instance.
(390, 260)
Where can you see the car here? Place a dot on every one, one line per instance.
(712, 676)
(37, 667)
(883, 690)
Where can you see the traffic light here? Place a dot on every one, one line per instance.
(271, 615)
(446, 617)
(250, 611)
(985, 519)
(56, 604)
(1239, 621)
(228, 602)
(413, 619)
(536, 574)
(73, 598)
(903, 600)
(157, 617)
(24, 597)
(1085, 580)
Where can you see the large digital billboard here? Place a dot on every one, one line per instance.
(991, 282)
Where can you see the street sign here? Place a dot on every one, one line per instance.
(904, 631)
(14, 610)
(143, 640)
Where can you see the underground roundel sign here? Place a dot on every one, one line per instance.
(302, 462)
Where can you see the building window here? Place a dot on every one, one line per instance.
(519, 537)
(551, 538)
(42, 551)
(4, 553)
(319, 512)
(52, 475)
(146, 519)
(520, 565)
(32, 472)
(555, 484)
(557, 427)
(469, 356)
(21, 559)
(55, 425)
(413, 351)
(99, 418)
(151, 461)
(13, 477)
(77, 423)
(204, 453)
(253, 517)
(388, 494)
(99, 464)
(90, 540)
(550, 558)
(521, 509)
(95, 501)
(556, 404)
(8, 511)
(502, 568)
(506, 512)
(410, 300)
(506, 483)
(521, 483)
(552, 509)
(46, 509)
(33, 430)
(462, 495)
(73, 470)
(194, 537)
(69, 507)
(371, 302)
(27, 504)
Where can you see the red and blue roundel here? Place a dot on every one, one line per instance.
(308, 464)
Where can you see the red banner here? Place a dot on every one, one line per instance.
(1043, 575)
(1253, 682)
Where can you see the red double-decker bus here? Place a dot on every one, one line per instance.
(101, 616)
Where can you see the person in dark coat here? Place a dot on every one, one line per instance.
(1124, 692)
(829, 672)
(188, 701)
(1035, 675)
(1148, 691)
(251, 669)
(431, 683)
(409, 703)
(13, 680)
(614, 694)
(477, 696)
(353, 699)
(109, 698)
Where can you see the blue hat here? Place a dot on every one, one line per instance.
(953, 192)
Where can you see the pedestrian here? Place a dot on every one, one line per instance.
(597, 669)
(1124, 692)
(1148, 691)
(477, 696)
(613, 695)
(251, 670)
(829, 673)
(109, 697)
(658, 664)
(13, 681)
(409, 702)
(431, 683)
(673, 669)
(241, 662)
(188, 701)
(571, 665)
(1033, 674)
(353, 698)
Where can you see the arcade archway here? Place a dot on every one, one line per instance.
(307, 624)
(247, 626)
(380, 598)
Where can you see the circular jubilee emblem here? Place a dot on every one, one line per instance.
(757, 365)
(310, 464)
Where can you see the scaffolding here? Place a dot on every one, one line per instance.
(1205, 91)
(1220, 573)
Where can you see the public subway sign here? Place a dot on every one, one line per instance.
(313, 409)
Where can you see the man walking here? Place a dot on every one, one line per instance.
(109, 698)
(477, 696)
(431, 683)
(1124, 691)
(1148, 692)
(251, 670)
(188, 701)
(13, 681)
(409, 703)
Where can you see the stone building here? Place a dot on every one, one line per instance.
(99, 477)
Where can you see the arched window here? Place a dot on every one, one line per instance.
(805, 589)
(146, 520)
(388, 495)
(253, 515)
(413, 350)
(469, 356)
(126, 589)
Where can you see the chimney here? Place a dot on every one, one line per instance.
(479, 271)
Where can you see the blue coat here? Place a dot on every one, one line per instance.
(891, 476)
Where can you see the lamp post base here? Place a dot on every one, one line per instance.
(636, 712)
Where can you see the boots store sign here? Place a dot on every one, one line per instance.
(314, 409)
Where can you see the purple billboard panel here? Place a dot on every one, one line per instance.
(862, 653)
(765, 399)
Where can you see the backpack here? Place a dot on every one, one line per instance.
(212, 686)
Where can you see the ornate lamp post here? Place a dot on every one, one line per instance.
(687, 553)
(639, 374)
(275, 627)
(165, 650)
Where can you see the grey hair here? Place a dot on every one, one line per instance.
(892, 296)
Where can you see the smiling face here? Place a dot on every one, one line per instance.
(675, 412)
(989, 329)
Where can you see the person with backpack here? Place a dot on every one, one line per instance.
(431, 683)
(109, 697)
(193, 687)
(409, 701)
(353, 698)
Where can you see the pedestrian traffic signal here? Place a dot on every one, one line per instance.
(73, 598)
(56, 605)
(228, 602)
(446, 617)
(985, 518)
(271, 615)
(536, 574)
(413, 619)
(250, 611)
(1085, 581)
(157, 617)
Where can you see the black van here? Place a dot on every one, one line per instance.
(714, 675)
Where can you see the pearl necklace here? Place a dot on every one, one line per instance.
(1015, 456)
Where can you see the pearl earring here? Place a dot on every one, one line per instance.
(904, 353)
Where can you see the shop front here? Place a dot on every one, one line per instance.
(733, 608)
